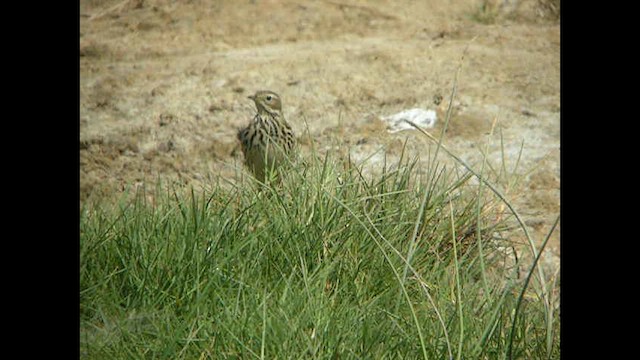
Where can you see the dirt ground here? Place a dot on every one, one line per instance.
(164, 86)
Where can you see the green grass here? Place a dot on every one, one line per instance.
(487, 12)
(330, 264)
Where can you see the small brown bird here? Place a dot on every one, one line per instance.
(268, 141)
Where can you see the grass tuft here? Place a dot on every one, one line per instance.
(331, 263)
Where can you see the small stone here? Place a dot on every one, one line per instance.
(215, 107)
(165, 119)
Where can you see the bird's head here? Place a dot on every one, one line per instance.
(267, 101)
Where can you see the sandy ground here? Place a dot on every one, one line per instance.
(164, 86)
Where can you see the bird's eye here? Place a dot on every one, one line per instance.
(269, 98)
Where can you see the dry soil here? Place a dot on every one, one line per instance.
(164, 86)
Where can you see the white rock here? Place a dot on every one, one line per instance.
(421, 117)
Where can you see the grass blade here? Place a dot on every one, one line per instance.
(524, 289)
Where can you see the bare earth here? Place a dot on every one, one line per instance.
(164, 86)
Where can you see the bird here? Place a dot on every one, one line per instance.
(268, 142)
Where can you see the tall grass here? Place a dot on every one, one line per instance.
(331, 263)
